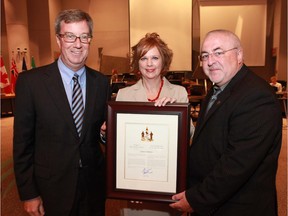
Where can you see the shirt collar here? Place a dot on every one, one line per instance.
(67, 74)
(223, 86)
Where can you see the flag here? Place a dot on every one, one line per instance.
(14, 74)
(33, 65)
(24, 66)
(5, 83)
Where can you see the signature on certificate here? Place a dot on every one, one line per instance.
(147, 171)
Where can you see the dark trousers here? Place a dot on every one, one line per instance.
(83, 204)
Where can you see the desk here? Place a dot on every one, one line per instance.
(195, 101)
(281, 94)
(283, 104)
(282, 97)
(115, 86)
(7, 104)
(193, 98)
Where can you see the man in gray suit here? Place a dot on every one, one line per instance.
(58, 162)
(234, 154)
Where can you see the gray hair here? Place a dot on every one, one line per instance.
(71, 16)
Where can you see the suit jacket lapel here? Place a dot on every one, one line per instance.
(201, 117)
(55, 86)
(202, 120)
(91, 90)
(223, 96)
(139, 91)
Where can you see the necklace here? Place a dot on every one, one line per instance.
(161, 85)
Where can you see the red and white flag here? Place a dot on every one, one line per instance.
(5, 83)
(14, 74)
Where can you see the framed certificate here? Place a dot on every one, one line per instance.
(146, 150)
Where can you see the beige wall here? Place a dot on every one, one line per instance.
(4, 41)
(16, 31)
(248, 22)
(111, 29)
(173, 25)
(39, 32)
(29, 24)
(280, 38)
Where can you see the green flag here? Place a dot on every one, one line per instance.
(33, 65)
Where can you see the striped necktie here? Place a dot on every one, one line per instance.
(216, 91)
(77, 104)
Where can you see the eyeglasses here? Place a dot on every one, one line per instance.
(71, 38)
(216, 54)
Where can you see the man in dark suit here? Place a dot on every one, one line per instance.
(58, 162)
(234, 153)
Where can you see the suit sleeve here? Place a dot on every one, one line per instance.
(23, 140)
(183, 95)
(251, 131)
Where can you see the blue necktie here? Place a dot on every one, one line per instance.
(77, 105)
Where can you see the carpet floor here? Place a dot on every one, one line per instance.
(12, 206)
